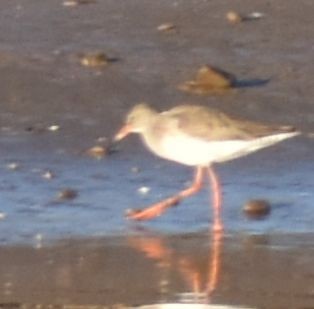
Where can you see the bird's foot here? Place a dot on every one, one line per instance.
(153, 211)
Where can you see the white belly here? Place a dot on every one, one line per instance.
(193, 151)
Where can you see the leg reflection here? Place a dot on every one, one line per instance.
(185, 258)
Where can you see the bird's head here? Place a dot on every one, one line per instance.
(137, 120)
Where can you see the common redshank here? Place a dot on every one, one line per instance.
(197, 136)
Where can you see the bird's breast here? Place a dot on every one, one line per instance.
(181, 148)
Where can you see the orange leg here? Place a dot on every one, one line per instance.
(217, 200)
(158, 208)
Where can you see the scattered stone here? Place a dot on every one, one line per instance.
(257, 209)
(77, 2)
(98, 152)
(13, 166)
(143, 190)
(95, 59)
(70, 3)
(102, 139)
(53, 128)
(254, 15)
(135, 169)
(67, 194)
(233, 17)
(166, 27)
(39, 128)
(209, 79)
(47, 175)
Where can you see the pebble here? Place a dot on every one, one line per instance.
(102, 139)
(47, 175)
(13, 166)
(97, 152)
(94, 59)
(77, 2)
(135, 169)
(233, 17)
(67, 194)
(70, 3)
(255, 15)
(143, 190)
(257, 208)
(53, 128)
(209, 79)
(2, 215)
(166, 27)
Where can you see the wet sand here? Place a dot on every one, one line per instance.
(261, 271)
(83, 252)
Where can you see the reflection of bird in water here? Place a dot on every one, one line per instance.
(169, 260)
(197, 136)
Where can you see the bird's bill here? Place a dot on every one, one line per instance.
(123, 132)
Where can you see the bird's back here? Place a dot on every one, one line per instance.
(210, 124)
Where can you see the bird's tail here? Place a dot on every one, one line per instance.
(269, 140)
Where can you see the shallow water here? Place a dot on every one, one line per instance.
(107, 188)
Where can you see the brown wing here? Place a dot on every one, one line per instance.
(211, 124)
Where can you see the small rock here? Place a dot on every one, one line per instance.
(2, 215)
(135, 169)
(67, 194)
(77, 2)
(254, 15)
(70, 3)
(209, 79)
(233, 17)
(102, 139)
(47, 175)
(94, 60)
(143, 190)
(41, 128)
(13, 166)
(97, 152)
(166, 27)
(257, 208)
(53, 128)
